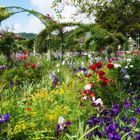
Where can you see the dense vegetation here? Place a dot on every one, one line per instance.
(79, 84)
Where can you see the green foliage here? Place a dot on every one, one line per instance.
(6, 42)
(120, 16)
(115, 16)
(27, 35)
(4, 13)
(100, 38)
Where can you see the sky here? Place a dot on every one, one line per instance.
(27, 23)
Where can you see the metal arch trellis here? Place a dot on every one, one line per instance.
(48, 22)
(43, 18)
(16, 9)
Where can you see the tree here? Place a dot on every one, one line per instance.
(114, 15)
(6, 41)
(120, 16)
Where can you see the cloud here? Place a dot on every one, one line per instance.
(34, 25)
(16, 27)
(43, 6)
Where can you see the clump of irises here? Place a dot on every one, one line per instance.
(114, 124)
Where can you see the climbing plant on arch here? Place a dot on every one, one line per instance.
(50, 24)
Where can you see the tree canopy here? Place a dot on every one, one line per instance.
(114, 15)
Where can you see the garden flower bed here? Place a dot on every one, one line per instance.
(80, 98)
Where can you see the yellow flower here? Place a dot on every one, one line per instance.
(20, 126)
(32, 125)
(65, 110)
(33, 113)
(61, 91)
(52, 117)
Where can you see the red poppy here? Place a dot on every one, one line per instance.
(28, 109)
(34, 66)
(110, 66)
(99, 64)
(110, 60)
(100, 73)
(24, 57)
(104, 81)
(92, 94)
(88, 75)
(25, 52)
(92, 67)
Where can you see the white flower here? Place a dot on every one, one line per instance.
(129, 60)
(117, 65)
(63, 63)
(98, 101)
(127, 77)
(57, 65)
(89, 55)
(131, 66)
(82, 64)
(88, 87)
(84, 98)
(58, 70)
(61, 122)
(93, 99)
(126, 67)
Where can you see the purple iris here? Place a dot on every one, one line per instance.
(114, 111)
(95, 121)
(3, 67)
(114, 136)
(138, 136)
(133, 121)
(63, 127)
(54, 78)
(124, 119)
(126, 129)
(126, 104)
(111, 127)
(4, 118)
(137, 111)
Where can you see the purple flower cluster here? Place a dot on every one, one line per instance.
(54, 78)
(62, 127)
(111, 131)
(3, 67)
(80, 69)
(114, 111)
(16, 83)
(4, 118)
